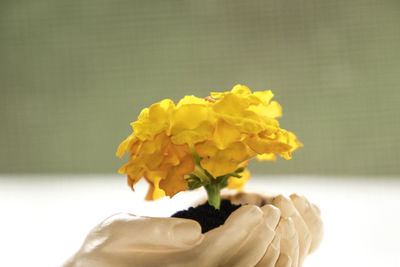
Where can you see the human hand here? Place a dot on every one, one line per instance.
(129, 240)
(298, 233)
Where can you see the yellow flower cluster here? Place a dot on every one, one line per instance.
(219, 134)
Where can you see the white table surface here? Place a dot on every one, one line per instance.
(44, 219)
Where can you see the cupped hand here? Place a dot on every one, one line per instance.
(298, 233)
(271, 231)
(129, 240)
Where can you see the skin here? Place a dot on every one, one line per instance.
(288, 210)
(297, 215)
(257, 234)
(289, 240)
(312, 217)
(272, 254)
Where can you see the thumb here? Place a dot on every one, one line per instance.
(144, 233)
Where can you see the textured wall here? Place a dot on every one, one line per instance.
(73, 74)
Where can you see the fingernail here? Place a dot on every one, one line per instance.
(188, 232)
(285, 205)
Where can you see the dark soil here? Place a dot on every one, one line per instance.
(207, 216)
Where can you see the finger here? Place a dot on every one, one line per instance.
(288, 210)
(255, 246)
(221, 242)
(128, 240)
(271, 255)
(272, 215)
(316, 209)
(143, 233)
(283, 261)
(289, 242)
(311, 217)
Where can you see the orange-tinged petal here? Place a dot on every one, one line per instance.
(154, 192)
(223, 161)
(129, 145)
(132, 180)
(174, 182)
(153, 162)
(122, 147)
(134, 170)
(154, 178)
(186, 166)
(174, 154)
(206, 149)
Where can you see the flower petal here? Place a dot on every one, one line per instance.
(238, 183)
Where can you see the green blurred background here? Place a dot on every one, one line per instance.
(74, 74)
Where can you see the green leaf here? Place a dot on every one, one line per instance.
(194, 182)
(234, 174)
(201, 177)
(239, 170)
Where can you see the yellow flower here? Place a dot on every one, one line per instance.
(218, 134)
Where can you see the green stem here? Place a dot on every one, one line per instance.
(194, 155)
(213, 195)
(199, 172)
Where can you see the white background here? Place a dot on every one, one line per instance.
(44, 219)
